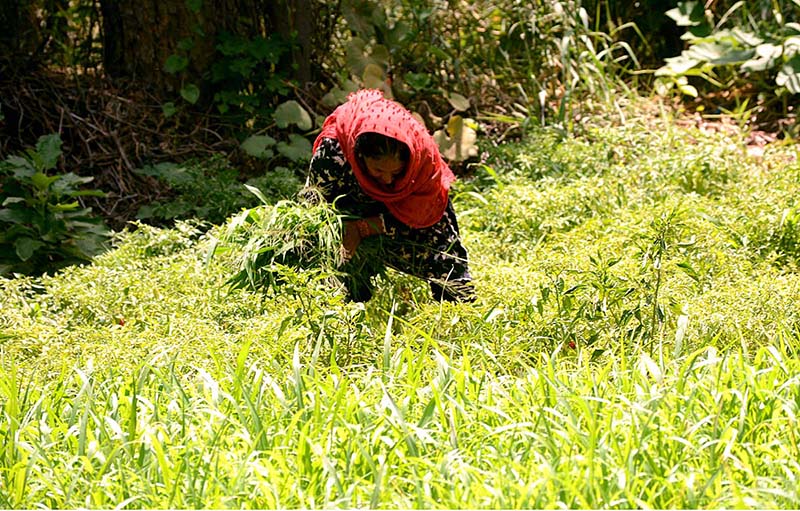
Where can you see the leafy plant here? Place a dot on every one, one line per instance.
(246, 76)
(766, 55)
(293, 244)
(43, 226)
(785, 239)
(210, 190)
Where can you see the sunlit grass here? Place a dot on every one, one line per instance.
(634, 344)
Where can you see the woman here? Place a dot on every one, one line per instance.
(376, 162)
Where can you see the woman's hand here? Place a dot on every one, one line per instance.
(351, 239)
(357, 230)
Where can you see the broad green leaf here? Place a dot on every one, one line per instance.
(334, 97)
(25, 247)
(43, 181)
(398, 34)
(373, 77)
(688, 14)
(148, 211)
(290, 112)
(21, 167)
(49, 150)
(191, 93)
(747, 39)
(789, 75)
(380, 55)
(89, 193)
(361, 16)
(16, 216)
(259, 146)
(766, 56)
(689, 90)
(457, 141)
(90, 246)
(298, 148)
(718, 53)
(176, 64)
(417, 80)
(169, 109)
(458, 101)
(355, 53)
(68, 184)
(677, 65)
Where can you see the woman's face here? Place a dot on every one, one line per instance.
(385, 170)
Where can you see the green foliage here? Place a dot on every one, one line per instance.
(296, 149)
(246, 77)
(43, 226)
(630, 330)
(785, 239)
(512, 62)
(289, 245)
(248, 83)
(210, 190)
(765, 55)
(288, 234)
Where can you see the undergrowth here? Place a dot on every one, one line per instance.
(634, 344)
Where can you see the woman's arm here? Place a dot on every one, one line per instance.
(326, 173)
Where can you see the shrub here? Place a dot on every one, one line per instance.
(43, 226)
(210, 190)
(746, 46)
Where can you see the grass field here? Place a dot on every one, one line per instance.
(634, 344)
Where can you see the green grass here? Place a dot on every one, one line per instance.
(634, 344)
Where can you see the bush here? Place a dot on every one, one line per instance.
(210, 190)
(42, 224)
(753, 49)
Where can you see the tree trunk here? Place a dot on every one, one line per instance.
(140, 35)
(304, 21)
(19, 37)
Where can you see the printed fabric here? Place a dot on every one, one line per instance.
(434, 253)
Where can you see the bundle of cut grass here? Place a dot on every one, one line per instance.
(292, 243)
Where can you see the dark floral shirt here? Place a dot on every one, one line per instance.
(433, 253)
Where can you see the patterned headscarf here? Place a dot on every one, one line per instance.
(419, 197)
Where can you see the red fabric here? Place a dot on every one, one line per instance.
(419, 197)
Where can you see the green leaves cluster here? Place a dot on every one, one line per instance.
(43, 226)
(289, 234)
(769, 55)
(296, 149)
(210, 190)
(291, 244)
(244, 77)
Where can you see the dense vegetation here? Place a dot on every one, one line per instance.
(634, 345)
(632, 222)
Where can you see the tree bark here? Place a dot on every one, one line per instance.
(19, 37)
(301, 21)
(140, 35)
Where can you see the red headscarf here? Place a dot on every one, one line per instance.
(419, 197)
